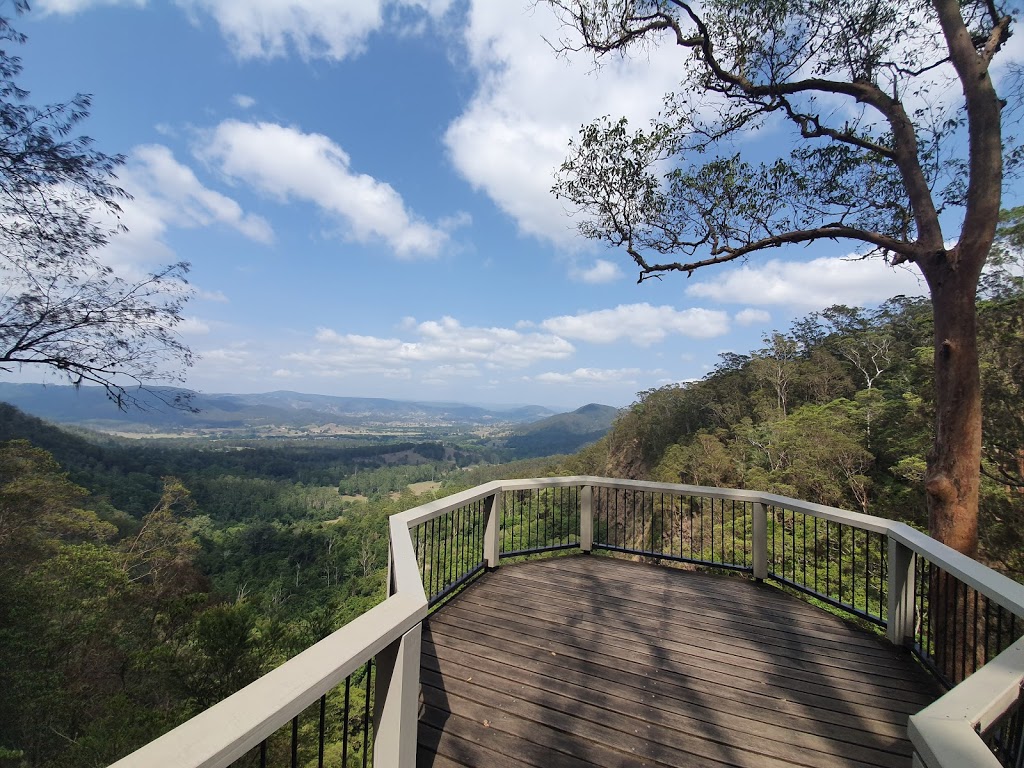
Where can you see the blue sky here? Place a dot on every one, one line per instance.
(361, 187)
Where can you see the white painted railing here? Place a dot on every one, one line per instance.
(944, 735)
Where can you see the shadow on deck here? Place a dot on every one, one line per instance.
(591, 661)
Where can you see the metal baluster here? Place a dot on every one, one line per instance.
(295, 742)
(344, 730)
(366, 713)
(323, 726)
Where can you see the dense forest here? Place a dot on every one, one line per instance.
(144, 581)
(838, 409)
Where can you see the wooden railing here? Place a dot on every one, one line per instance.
(963, 620)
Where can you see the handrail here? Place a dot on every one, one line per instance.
(227, 730)
(390, 632)
(945, 734)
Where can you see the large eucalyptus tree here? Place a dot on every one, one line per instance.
(887, 133)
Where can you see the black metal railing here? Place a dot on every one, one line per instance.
(958, 629)
(1005, 736)
(450, 549)
(668, 526)
(837, 563)
(335, 731)
(539, 520)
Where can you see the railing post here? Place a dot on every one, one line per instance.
(396, 704)
(902, 588)
(492, 533)
(760, 543)
(587, 518)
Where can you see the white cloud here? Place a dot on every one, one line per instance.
(642, 324)
(331, 29)
(218, 296)
(74, 6)
(440, 348)
(231, 356)
(166, 195)
(811, 284)
(750, 316)
(193, 326)
(602, 271)
(286, 163)
(516, 130)
(242, 101)
(187, 202)
(589, 376)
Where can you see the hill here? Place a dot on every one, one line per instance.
(271, 413)
(563, 432)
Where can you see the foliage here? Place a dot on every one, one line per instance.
(63, 309)
(1002, 325)
(853, 428)
(189, 571)
(875, 157)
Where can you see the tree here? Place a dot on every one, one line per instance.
(1002, 321)
(62, 308)
(877, 160)
(776, 366)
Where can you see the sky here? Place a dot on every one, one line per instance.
(362, 189)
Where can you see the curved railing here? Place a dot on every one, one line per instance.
(963, 620)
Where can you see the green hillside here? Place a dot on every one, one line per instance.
(563, 432)
(838, 410)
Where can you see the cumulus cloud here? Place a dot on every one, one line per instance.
(165, 195)
(242, 101)
(218, 296)
(187, 202)
(441, 348)
(230, 356)
(331, 29)
(590, 376)
(602, 271)
(529, 103)
(642, 324)
(750, 316)
(288, 164)
(811, 284)
(193, 326)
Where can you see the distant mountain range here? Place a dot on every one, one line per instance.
(90, 407)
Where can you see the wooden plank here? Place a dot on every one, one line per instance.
(887, 662)
(764, 703)
(762, 669)
(630, 714)
(554, 736)
(688, 606)
(581, 661)
(704, 679)
(680, 697)
(765, 605)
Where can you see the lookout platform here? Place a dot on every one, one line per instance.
(582, 661)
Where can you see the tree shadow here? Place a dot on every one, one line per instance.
(592, 661)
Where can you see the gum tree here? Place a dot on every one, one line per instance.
(885, 131)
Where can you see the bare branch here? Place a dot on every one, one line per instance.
(722, 255)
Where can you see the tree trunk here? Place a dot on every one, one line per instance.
(954, 461)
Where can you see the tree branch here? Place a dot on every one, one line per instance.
(721, 254)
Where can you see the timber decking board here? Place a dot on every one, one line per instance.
(593, 661)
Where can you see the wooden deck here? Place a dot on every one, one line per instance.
(589, 661)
